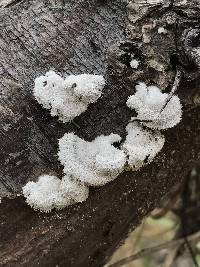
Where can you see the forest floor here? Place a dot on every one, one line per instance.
(151, 233)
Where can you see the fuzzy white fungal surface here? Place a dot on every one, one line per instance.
(162, 30)
(67, 98)
(141, 145)
(50, 192)
(95, 163)
(148, 102)
(134, 63)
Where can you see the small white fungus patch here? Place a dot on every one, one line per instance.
(141, 145)
(67, 98)
(50, 192)
(134, 63)
(162, 30)
(148, 102)
(95, 163)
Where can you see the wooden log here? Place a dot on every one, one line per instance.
(85, 37)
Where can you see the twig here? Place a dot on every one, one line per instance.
(75, 124)
(151, 250)
(192, 254)
(174, 89)
(138, 237)
(171, 256)
(183, 217)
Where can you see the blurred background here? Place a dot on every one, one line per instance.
(170, 236)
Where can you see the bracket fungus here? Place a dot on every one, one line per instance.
(67, 98)
(50, 192)
(95, 163)
(141, 145)
(148, 102)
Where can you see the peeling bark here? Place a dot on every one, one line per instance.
(92, 37)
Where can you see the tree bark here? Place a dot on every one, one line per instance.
(76, 37)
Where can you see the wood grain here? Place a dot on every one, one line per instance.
(76, 37)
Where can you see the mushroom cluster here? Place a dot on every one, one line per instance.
(97, 162)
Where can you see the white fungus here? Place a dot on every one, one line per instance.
(162, 30)
(95, 163)
(141, 145)
(134, 63)
(99, 161)
(67, 98)
(148, 102)
(50, 192)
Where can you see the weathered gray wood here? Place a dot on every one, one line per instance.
(35, 38)
(75, 37)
